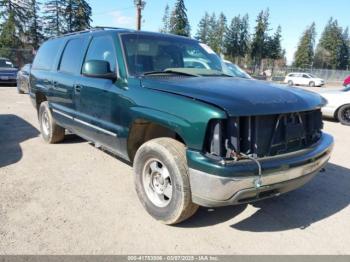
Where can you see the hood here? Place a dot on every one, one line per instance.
(239, 97)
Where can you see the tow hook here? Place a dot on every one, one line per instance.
(258, 181)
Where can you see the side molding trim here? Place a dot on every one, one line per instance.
(85, 123)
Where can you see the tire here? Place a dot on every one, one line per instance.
(50, 131)
(290, 83)
(165, 158)
(312, 84)
(343, 115)
(19, 91)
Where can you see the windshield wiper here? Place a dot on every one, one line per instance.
(169, 71)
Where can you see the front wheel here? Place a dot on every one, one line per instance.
(312, 84)
(344, 115)
(19, 90)
(50, 131)
(162, 180)
(290, 83)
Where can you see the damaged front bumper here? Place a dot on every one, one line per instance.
(216, 183)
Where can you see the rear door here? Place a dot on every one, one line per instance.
(64, 79)
(305, 79)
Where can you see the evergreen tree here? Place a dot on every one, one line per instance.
(212, 32)
(55, 17)
(329, 50)
(9, 39)
(18, 10)
(179, 24)
(237, 38)
(221, 33)
(203, 29)
(274, 46)
(304, 55)
(14, 18)
(233, 38)
(344, 54)
(244, 38)
(166, 21)
(259, 47)
(79, 14)
(34, 33)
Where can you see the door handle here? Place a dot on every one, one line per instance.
(77, 88)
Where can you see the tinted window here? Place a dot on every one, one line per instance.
(47, 54)
(6, 63)
(102, 48)
(72, 56)
(146, 53)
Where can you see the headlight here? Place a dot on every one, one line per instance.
(214, 145)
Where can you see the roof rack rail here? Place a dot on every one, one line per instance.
(107, 27)
(96, 28)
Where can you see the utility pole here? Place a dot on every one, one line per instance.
(138, 14)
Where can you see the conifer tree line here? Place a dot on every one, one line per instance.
(230, 38)
(236, 42)
(25, 24)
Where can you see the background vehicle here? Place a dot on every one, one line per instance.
(23, 79)
(347, 82)
(195, 136)
(236, 71)
(8, 73)
(303, 79)
(338, 105)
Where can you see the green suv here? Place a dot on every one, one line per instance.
(196, 135)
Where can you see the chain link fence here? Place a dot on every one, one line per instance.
(279, 73)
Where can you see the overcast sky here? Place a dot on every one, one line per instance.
(292, 15)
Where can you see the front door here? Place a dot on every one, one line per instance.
(97, 100)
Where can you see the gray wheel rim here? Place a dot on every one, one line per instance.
(45, 123)
(157, 182)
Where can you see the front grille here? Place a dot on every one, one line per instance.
(274, 134)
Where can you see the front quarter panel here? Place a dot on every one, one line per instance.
(187, 117)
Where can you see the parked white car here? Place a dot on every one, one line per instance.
(303, 79)
(338, 105)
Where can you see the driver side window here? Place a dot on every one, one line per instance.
(102, 48)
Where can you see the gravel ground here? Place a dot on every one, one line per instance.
(72, 198)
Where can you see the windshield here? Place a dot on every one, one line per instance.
(6, 63)
(163, 53)
(237, 71)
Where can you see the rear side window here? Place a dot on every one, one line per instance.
(72, 57)
(47, 54)
(102, 48)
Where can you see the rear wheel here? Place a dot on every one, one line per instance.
(312, 84)
(344, 115)
(162, 181)
(50, 131)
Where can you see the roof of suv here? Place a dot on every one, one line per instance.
(119, 30)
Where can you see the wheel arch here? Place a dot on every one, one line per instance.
(143, 130)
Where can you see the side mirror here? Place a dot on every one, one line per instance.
(98, 69)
